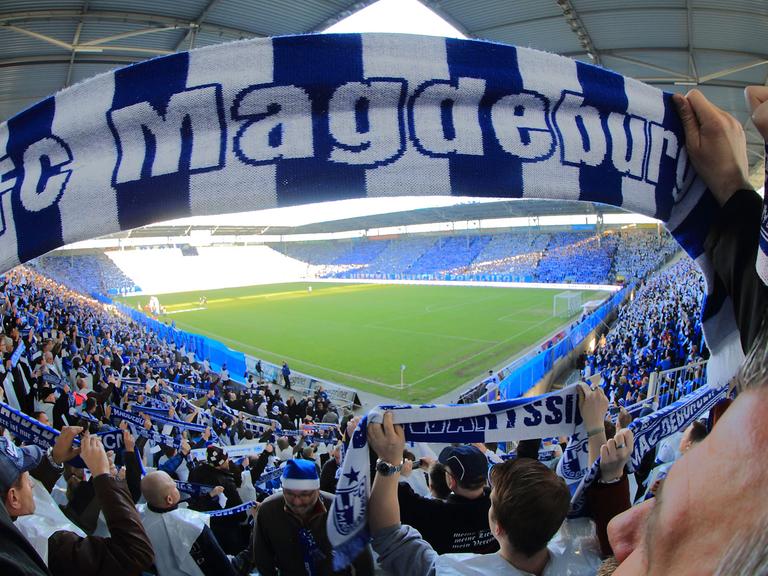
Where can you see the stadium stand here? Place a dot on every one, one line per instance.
(111, 369)
(639, 252)
(577, 257)
(657, 331)
(448, 253)
(89, 273)
(400, 254)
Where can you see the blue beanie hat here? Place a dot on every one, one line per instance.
(300, 475)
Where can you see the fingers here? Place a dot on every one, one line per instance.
(755, 96)
(71, 431)
(583, 392)
(387, 425)
(626, 438)
(688, 119)
(604, 453)
(702, 108)
(757, 100)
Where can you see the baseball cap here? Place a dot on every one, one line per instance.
(14, 461)
(465, 463)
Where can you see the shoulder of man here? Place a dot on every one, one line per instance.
(272, 503)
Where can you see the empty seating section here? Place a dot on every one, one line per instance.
(317, 253)
(362, 252)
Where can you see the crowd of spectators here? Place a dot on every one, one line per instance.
(87, 273)
(577, 257)
(75, 364)
(639, 252)
(658, 330)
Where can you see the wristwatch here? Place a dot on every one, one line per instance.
(51, 461)
(386, 469)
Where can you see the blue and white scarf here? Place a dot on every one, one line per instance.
(648, 430)
(232, 511)
(236, 451)
(281, 121)
(137, 425)
(193, 489)
(554, 414)
(32, 431)
(164, 420)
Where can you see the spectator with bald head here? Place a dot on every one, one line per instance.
(182, 538)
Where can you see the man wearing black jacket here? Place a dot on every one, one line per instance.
(459, 523)
(218, 470)
(126, 552)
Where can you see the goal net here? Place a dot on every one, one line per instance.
(566, 304)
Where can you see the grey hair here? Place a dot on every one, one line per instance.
(747, 553)
(754, 372)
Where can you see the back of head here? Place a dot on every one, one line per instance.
(529, 502)
(437, 485)
(156, 487)
(529, 448)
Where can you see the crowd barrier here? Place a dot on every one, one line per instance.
(524, 373)
(214, 351)
(671, 385)
(340, 395)
(238, 363)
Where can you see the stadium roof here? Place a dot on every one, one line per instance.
(259, 224)
(718, 45)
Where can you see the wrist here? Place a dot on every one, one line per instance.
(610, 478)
(53, 460)
(387, 468)
(593, 431)
(611, 475)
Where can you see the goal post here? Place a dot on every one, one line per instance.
(566, 304)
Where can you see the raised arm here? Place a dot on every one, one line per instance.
(401, 549)
(128, 550)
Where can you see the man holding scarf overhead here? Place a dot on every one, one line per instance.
(697, 524)
(529, 503)
(127, 552)
(182, 538)
(290, 534)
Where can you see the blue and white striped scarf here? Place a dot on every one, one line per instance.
(281, 121)
(554, 414)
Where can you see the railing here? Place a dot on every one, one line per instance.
(670, 385)
(667, 387)
(300, 382)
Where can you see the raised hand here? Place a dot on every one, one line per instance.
(64, 448)
(93, 454)
(615, 454)
(716, 144)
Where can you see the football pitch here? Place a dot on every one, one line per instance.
(360, 335)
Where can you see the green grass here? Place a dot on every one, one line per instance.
(360, 334)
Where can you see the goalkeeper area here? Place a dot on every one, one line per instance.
(566, 304)
(359, 335)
